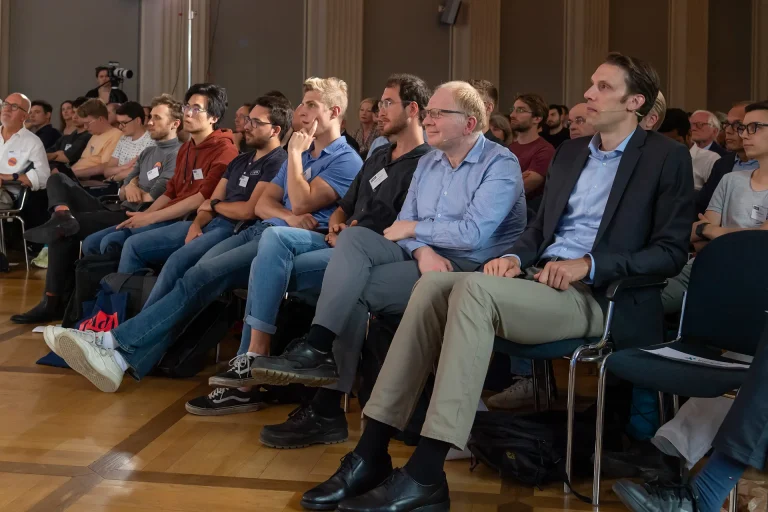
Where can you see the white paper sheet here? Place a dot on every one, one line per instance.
(744, 358)
(41, 328)
(671, 353)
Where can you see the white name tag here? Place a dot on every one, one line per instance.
(378, 179)
(153, 173)
(759, 213)
(67, 146)
(197, 174)
(243, 181)
(307, 173)
(12, 153)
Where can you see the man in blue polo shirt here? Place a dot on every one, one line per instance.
(319, 170)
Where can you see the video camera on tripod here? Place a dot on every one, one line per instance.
(117, 74)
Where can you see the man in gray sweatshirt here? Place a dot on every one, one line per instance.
(76, 214)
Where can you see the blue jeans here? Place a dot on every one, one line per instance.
(289, 259)
(144, 339)
(166, 245)
(110, 239)
(521, 367)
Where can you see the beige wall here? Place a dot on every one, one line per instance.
(532, 50)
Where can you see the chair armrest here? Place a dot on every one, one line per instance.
(110, 198)
(16, 183)
(633, 283)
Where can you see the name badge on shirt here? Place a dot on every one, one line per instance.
(378, 179)
(759, 213)
(197, 174)
(243, 181)
(67, 146)
(153, 173)
(307, 173)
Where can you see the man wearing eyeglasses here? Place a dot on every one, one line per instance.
(739, 202)
(533, 152)
(20, 148)
(579, 126)
(101, 146)
(180, 245)
(705, 128)
(136, 138)
(735, 160)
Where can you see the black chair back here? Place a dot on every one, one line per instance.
(728, 293)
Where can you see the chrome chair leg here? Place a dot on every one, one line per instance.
(24, 242)
(2, 236)
(733, 498)
(548, 383)
(218, 352)
(571, 406)
(662, 409)
(599, 432)
(675, 404)
(346, 403)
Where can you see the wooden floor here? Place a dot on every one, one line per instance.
(64, 445)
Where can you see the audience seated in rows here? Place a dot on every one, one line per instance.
(740, 201)
(465, 204)
(677, 127)
(296, 259)
(75, 214)
(735, 160)
(533, 152)
(320, 168)
(22, 155)
(39, 123)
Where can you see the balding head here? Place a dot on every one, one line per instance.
(579, 126)
(15, 111)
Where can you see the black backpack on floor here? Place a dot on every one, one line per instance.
(89, 271)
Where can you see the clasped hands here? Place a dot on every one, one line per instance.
(555, 274)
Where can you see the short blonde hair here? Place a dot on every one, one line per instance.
(660, 109)
(468, 100)
(332, 90)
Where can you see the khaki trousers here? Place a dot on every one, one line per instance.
(452, 319)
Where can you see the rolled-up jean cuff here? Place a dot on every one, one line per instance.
(257, 324)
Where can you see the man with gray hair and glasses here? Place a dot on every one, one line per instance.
(705, 128)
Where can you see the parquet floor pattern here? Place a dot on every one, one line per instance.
(66, 446)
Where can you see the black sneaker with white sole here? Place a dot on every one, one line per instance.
(305, 427)
(301, 363)
(222, 401)
(238, 375)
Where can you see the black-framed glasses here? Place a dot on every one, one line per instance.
(194, 110)
(750, 128)
(383, 105)
(520, 110)
(13, 107)
(733, 126)
(123, 124)
(252, 121)
(437, 113)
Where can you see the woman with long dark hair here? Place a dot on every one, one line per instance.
(66, 113)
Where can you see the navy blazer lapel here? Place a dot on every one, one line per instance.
(623, 174)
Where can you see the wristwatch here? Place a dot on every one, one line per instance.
(15, 176)
(214, 202)
(700, 230)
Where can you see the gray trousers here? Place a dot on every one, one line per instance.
(367, 274)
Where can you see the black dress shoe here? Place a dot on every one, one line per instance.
(354, 477)
(305, 427)
(61, 224)
(49, 309)
(401, 493)
(301, 363)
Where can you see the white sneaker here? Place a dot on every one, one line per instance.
(84, 352)
(517, 395)
(50, 333)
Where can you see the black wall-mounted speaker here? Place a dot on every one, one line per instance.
(450, 12)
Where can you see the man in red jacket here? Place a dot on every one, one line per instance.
(200, 164)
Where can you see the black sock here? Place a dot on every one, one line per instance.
(321, 338)
(327, 403)
(426, 464)
(374, 443)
